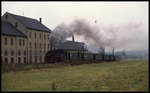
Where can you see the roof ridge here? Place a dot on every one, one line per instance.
(73, 41)
(30, 23)
(21, 16)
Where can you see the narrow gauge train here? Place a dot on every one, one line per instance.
(56, 56)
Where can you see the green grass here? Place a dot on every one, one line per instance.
(114, 76)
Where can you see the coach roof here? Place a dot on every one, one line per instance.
(70, 45)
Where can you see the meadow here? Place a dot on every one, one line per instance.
(107, 76)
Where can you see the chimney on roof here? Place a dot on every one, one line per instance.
(40, 20)
(73, 38)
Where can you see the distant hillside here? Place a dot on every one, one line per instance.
(136, 54)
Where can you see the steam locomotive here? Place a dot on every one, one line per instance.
(56, 56)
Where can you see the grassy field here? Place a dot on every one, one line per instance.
(114, 76)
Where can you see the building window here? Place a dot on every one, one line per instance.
(24, 53)
(35, 52)
(12, 41)
(30, 52)
(16, 24)
(19, 53)
(35, 34)
(35, 45)
(31, 59)
(40, 35)
(20, 42)
(48, 37)
(40, 59)
(35, 59)
(6, 53)
(23, 42)
(40, 52)
(30, 44)
(6, 60)
(24, 60)
(40, 45)
(30, 34)
(12, 60)
(5, 41)
(45, 46)
(44, 36)
(6, 16)
(19, 60)
(12, 52)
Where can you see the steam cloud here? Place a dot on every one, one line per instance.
(98, 36)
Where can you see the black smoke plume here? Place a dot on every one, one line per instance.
(100, 36)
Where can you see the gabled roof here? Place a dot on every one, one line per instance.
(70, 45)
(31, 23)
(8, 29)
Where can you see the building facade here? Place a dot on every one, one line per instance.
(23, 39)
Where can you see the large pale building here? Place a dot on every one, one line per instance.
(23, 39)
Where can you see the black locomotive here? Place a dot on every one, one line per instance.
(56, 56)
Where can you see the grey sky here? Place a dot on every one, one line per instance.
(108, 14)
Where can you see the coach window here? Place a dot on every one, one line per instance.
(5, 41)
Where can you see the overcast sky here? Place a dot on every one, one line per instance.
(119, 15)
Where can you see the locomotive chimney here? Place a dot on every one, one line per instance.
(73, 38)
